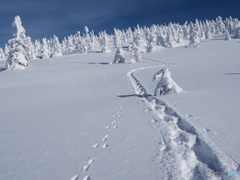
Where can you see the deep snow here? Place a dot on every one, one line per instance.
(77, 116)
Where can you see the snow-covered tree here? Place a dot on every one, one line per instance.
(169, 41)
(119, 56)
(56, 49)
(64, 44)
(2, 55)
(70, 45)
(139, 41)
(105, 48)
(151, 47)
(136, 54)
(220, 25)
(6, 50)
(208, 31)
(194, 39)
(18, 55)
(117, 38)
(31, 48)
(165, 85)
(160, 40)
(227, 35)
(37, 48)
(45, 49)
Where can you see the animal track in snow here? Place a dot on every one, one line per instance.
(105, 146)
(85, 168)
(87, 178)
(113, 122)
(105, 138)
(75, 177)
(115, 127)
(114, 115)
(95, 145)
(90, 161)
(107, 127)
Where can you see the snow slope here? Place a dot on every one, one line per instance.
(79, 117)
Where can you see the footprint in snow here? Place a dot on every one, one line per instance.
(95, 145)
(85, 168)
(107, 127)
(87, 178)
(105, 138)
(113, 122)
(75, 177)
(114, 115)
(115, 127)
(105, 146)
(90, 161)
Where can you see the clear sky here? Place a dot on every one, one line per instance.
(43, 18)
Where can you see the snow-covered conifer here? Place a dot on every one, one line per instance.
(208, 31)
(191, 28)
(151, 47)
(18, 56)
(119, 56)
(84, 46)
(2, 55)
(217, 30)
(185, 31)
(56, 48)
(136, 54)
(6, 50)
(169, 41)
(70, 45)
(30, 49)
(64, 44)
(105, 48)
(139, 41)
(194, 39)
(227, 35)
(220, 25)
(165, 85)
(37, 48)
(45, 50)
(117, 40)
(160, 40)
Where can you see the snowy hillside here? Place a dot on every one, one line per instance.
(153, 103)
(80, 117)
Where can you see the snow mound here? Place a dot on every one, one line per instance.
(166, 85)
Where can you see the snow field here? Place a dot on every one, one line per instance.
(76, 116)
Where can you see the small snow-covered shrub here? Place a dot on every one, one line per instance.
(165, 85)
(119, 56)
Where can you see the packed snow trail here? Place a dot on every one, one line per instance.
(184, 152)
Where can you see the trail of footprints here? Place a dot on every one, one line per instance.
(103, 143)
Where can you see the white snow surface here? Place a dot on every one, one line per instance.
(80, 117)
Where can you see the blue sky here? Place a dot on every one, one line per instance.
(43, 18)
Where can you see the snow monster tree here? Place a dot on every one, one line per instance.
(165, 85)
(18, 55)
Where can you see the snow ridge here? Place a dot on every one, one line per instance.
(184, 152)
